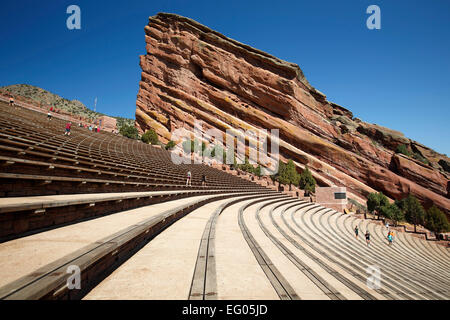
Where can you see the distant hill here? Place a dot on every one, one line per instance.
(74, 107)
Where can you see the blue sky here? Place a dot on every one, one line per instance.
(397, 77)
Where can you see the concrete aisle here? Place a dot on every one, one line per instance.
(239, 276)
(163, 269)
(22, 256)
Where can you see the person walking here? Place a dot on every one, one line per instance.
(11, 101)
(189, 178)
(368, 237)
(68, 126)
(393, 236)
(203, 180)
(356, 232)
(389, 238)
(49, 115)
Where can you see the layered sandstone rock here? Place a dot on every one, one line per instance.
(192, 72)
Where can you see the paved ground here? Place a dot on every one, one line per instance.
(24, 255)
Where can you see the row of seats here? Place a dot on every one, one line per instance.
(35, 152)
(120, 211)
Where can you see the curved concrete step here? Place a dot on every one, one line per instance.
(31, 271)
(371, 256)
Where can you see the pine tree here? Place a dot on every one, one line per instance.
(436, 221)
(413, 210)
(375, 202)
(393, 212)
(150, 136)
(307, 181)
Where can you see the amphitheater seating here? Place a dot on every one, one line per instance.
(120, 211)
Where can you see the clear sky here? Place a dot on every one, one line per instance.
(398, 77)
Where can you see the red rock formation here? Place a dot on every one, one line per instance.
(192, 72)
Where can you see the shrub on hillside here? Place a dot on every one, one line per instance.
(393, 212)
(403, 150)
(170, 145)
(307, 181)
(258, 171)
(421, 158)
(129, 132)
(375, 201)
(413, 210)
(150, 136)
(436, 221)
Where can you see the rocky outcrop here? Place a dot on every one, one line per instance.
(192, 72)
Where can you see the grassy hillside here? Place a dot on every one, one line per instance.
(45, 97)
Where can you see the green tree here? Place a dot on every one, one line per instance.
(287, 174)
(214, 152)
(203, 147)
(129, 131)
(150, 136)
(258, 171)
(436, 221)
(234, 165)
(307, 181)
(413, 210)
(282, 175)
(393, 212)
(375, 201)
(247, 167)
(170, 145)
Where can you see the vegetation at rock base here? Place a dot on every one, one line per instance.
(170, 145)
(150, 137)
(410, 210)
(413, 210)
(193, 146)
(436, 221)
(375, 201)
(307, 181)
(392, 212)
(129, 132)
(287, 174)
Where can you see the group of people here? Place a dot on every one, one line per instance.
(91, 128)
(390, 235)
(189, 179)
